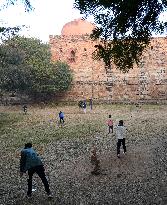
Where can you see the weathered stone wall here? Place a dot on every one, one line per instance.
(147, 82)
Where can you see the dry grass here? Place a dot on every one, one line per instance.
(138, 178)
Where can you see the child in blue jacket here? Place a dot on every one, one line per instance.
(61, 117)
(32, 163)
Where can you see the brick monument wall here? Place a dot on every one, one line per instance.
(148, 82)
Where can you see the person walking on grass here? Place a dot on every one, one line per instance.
(61, 117)
(31, 162)
(120, 131)
(110, 124)
(25, 109)
(84, 106)
(91, 103)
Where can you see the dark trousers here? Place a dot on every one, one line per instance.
(61, 119)
(110, 128)
(121, 141)
(41, 173)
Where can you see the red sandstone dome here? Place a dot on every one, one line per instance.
(77, 27)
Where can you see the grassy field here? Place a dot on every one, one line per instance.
(41, 125)
(66, 151)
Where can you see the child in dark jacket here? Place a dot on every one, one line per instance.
(84, 106)
(32, 163)
(61, 117)
(25, 109)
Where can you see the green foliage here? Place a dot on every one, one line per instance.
(7, 32)
(62, 75)
(27, 4)
(26, 67)
(13, 74)
(124, 27)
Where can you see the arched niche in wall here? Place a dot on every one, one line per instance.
(72, 55)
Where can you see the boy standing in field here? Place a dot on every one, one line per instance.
(25, 109)
(120, 134)
(110, 124)
(61, 117)
(32, 163)
(84, 106)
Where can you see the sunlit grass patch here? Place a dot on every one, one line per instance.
(9, 119)
(41, 125)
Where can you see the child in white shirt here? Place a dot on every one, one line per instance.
(120, 131)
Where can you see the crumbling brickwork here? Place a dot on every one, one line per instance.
(147, 82)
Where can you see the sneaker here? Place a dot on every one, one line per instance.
(95, 172)
(29, 195)
(118, 155)
(50, 196)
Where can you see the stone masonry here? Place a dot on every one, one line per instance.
(148, 82)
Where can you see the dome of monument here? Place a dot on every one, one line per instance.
(77, 27)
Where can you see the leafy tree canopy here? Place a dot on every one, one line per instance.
(27, 4)
(62, 75)
(26, 67)
(125, 28)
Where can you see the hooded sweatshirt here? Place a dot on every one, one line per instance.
(29, 159)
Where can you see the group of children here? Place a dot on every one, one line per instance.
(83, 104)
(120, 132)
(32, 163)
